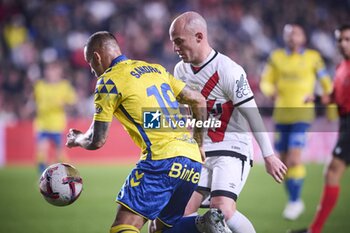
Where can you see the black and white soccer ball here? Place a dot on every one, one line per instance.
(60, 184)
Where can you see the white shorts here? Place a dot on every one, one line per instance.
(223, 176)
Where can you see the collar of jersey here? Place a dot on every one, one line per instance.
(212, 55)
(300, 51)
(118, 59)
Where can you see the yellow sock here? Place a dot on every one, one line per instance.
(124, 228)
(296, 172)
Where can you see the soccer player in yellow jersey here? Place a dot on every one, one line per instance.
(289, 78)
(52, 95)
(162, 182)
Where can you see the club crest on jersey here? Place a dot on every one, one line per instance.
(242, 87)
(98, 108)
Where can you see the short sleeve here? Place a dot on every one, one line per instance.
(107, 100)
(268, 78)
(320, 67)
(322, 74)
(235, 85)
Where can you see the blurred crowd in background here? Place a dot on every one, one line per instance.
(37, 32)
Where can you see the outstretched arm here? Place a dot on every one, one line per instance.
(199, 108)
(273, 164)
(93, 139)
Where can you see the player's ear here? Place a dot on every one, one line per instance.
(97, 57)
(199, 36)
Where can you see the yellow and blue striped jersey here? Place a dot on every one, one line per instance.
(51, 99)
(127, 90)
(291, 78)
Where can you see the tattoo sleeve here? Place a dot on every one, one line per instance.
(95, 137)
(199, 108)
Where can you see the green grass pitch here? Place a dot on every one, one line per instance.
(22, 209)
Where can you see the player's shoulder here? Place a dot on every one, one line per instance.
(65, 82)
(276, 53)
(38, 86)
(312, 53)
(38, 83)
(180, 66)
(227, 65)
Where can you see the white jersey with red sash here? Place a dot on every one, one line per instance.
(224, 84)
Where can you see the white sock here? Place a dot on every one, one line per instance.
(239, 223)
(192, 215)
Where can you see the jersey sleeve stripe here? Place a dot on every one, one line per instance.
(140, 129)
(322, 73)
(244, 101)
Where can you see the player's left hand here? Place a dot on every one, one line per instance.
(309, 99)
(275, 167)
(71, 137)
(326, 99)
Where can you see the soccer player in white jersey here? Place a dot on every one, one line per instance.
(228, 149)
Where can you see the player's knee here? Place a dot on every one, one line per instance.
(124, 228)
(194, 203)
(293, 162)
(332, 175)
(226, 205)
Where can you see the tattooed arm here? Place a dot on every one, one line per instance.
(199, 108)
(94, 138)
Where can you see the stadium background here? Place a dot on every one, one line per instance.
(34, 32)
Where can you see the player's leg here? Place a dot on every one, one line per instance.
(126, 221)
(171, 219)
(296, 170)
(333, 175)
(229, 177)
(235, 220)
(194, 204)
(140, 198)
(213, 221)
(42, 148)
(202, 191)
(59, 149)
(294, 181)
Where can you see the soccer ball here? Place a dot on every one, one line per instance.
(60, 184)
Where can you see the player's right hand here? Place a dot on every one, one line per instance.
(275, 167)
(71, 137)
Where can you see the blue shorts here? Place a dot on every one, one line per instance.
(290, 136)
(56, 138)
(160, 188)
